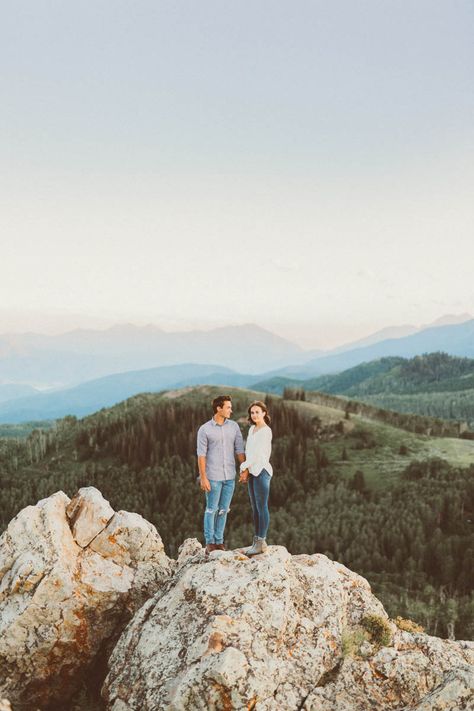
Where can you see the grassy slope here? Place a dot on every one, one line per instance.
(382, 463)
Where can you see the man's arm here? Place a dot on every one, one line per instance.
(204, 481)
(201, 454)
(240, 454)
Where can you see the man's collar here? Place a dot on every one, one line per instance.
(215, 423)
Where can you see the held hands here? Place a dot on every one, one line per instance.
(244, 475)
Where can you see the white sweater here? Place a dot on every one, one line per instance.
(257, 451)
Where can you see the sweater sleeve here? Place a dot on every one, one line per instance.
(261, 453)
(245, 465)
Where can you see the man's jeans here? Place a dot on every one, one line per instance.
(217, 507)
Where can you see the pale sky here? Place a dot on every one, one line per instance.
(307, 166)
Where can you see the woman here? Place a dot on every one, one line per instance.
(257, 471)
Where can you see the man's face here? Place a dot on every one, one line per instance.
(225, 410)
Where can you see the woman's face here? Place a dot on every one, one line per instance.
(257, 415)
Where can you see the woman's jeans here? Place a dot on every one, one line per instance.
(217, 507)
(259, 490)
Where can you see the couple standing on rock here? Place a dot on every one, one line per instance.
(219, 442)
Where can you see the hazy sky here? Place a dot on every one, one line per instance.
(306, 165)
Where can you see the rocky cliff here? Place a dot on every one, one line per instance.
(72, 572)
(226, 632)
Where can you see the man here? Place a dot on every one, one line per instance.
(219, 441)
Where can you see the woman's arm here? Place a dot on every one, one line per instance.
(261, 451)
(262, 455)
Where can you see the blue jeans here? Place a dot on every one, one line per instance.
(259, 490)
(217, 507)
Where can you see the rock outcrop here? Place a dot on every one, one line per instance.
(72, 572)
(277, 633)
(273, 633)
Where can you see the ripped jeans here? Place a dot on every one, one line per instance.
(217, 507)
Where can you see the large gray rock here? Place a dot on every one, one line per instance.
(271, 633)
(454, 693)
(72, 572)
(416, 672)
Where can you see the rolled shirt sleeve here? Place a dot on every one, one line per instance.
(202, 442)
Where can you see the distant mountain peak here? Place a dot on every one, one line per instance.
(383, 334)
(124, 328)
(449, 320)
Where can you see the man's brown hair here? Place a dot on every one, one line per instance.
(219, 401)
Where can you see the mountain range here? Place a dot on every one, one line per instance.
(455, 339)
(402, 331)
(93, 395)
(80, 355)
(94, 369)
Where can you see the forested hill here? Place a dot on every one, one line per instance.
(434, 384)
(433, 372)
(377, 498)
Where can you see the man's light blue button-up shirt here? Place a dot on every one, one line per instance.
(219, 444)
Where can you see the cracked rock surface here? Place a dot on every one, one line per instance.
(267, 633)
(72, 572)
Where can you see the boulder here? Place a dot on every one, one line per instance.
(88, 515)
(278, 633)
(188, 549)
(453, 694)
(72, 573)
(418, 672)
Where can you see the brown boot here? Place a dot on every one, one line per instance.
(210, 547)
(219, 547)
